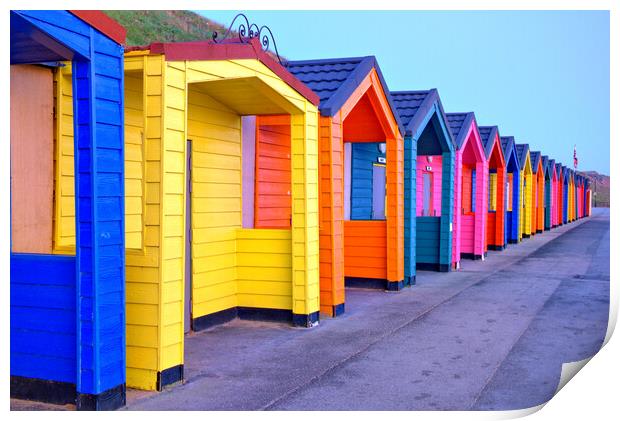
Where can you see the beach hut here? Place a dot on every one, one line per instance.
(588, 204)
(565, 195)
(570, 198)
(555, 176)
(526, 179)
(549, 170)
(560, 196)
(429, 181)
(577, 182)
(579, 188)
(581, 196)
(538, 193)
(361, 189)
(553, 173)
(573, 195)
(496, 215)
(513, 190)
(470, 204)
(203, 243)
(67, 309)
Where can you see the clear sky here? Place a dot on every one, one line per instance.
(541, 76)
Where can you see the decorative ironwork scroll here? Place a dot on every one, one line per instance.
(246, 31)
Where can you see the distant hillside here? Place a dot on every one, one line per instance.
(600, 186)
(146, 26)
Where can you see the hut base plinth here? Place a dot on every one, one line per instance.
(169, 376)
(471, 256)
(49, 391)
(434, 267)
(109, 400)
(259, 314)
(306, 320)
(373, 283)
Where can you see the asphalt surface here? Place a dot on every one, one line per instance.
(492, 336)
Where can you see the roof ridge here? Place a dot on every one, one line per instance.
(327, 60)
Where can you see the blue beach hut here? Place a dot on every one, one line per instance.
(430, 154)
(512, 189)
(67, 309)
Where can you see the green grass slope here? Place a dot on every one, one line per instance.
(146, 26)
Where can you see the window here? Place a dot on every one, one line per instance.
(378, 191)
(368, 181)
(468, 192)
(473, 191)
(492, 192)
(509, 193)
(427, 193)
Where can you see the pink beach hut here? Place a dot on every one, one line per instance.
(470, 192)
(554, 193)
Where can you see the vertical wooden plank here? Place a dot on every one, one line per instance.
(100, 218)
(395, 209)
(410, 211)
(305, 234)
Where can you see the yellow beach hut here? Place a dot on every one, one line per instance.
(525, 201)
(193, 256)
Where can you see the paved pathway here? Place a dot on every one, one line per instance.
(491, 336)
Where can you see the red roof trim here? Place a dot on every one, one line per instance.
(207, 50)
(103, 23)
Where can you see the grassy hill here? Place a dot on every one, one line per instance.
(146, 26)
(600, 186)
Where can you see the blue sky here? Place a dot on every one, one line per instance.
(541, 76)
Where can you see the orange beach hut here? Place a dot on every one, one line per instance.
(495, 238)
(538, 193)
(361, 173)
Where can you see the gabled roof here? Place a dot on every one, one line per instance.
(508, 147)
(459, 125)
(551, 167)
(335, 79)
(545, 163)
(103, 23)
(487, 135)
(209, 50)
(535, 158)
(522, 150)
(414, 106)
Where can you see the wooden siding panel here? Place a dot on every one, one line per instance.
(134, 161)
(365, 249)
(264, 268)
(273, 174)
(331, 214)
(43, 317)
(216, 162)
(64, 186)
